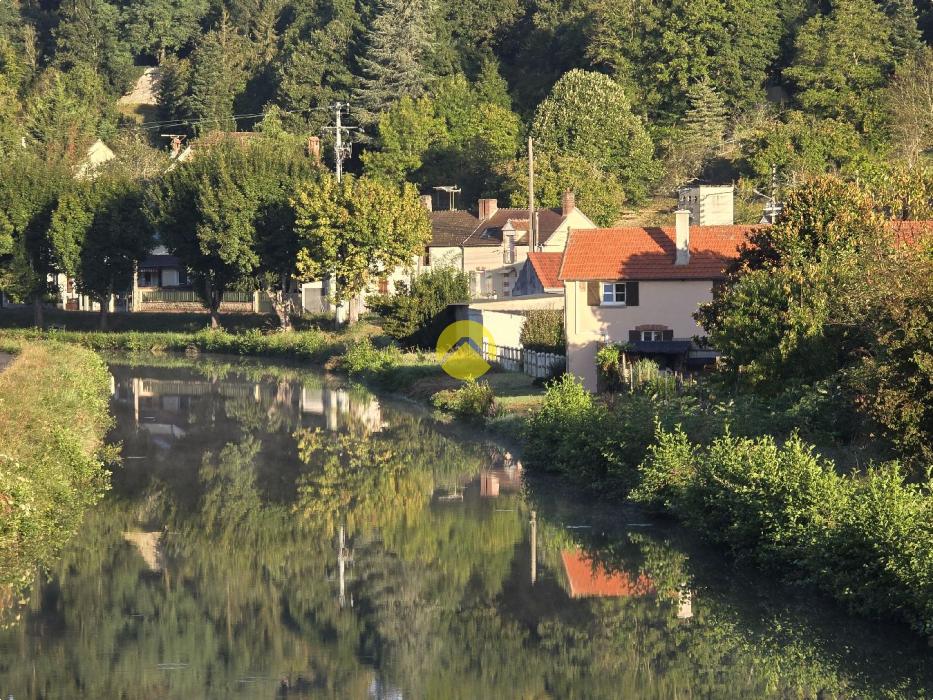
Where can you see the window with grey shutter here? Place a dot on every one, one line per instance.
(631, 293)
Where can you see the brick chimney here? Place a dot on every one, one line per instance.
(314, 149)
(427, 201)
(682, 235)
(568, 202)
(487, 208)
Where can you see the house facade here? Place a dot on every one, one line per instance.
(493, 244)
(641, 286)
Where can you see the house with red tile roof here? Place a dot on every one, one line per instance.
(540, 275)
(641, 286)
(493, 244)
(589, 579)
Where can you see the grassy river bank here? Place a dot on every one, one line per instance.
(53, 420)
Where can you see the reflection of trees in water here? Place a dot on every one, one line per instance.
(443, 603)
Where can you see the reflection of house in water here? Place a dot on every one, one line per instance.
(149, 546)
(492, 482)
(163, 408)
(588, 579)
(340, 408)
(504, 477)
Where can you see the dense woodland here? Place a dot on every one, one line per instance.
(625, 98)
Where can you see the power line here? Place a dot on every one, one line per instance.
(149, 126)
(342, 150)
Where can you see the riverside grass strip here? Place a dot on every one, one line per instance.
(54, 416)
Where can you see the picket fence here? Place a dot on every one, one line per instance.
(533, 363)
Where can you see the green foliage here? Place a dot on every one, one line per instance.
(599, 194)
(455, 134)
(859, 538)
(472, 401)
(408, 312)
(393, 64)
(543, 330)
(588, 115)
(363, 359)
(355, 230)
(54, 400)
(834, 68)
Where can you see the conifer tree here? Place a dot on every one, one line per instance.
(705, 121)
(216, 78)
(905, 34)
(393, 64)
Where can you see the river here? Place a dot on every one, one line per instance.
(274, 533)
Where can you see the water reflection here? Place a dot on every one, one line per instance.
(274, 534)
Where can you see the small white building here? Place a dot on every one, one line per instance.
(709, 205)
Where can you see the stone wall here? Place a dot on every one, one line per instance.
(193, 307)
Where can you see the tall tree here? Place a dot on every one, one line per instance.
(205, 215)
(909, 100)
(589, 116)
(835, 69)
(393, 63)
(356, 230)
(217, 75)
(29, 189)
(156, 27)
(100, 231)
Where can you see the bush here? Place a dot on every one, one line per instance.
(474, 401)
(543, 331)
(865, 540)
(363, 359)
(408, 313)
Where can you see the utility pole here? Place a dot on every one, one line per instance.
(342, 150)
(532, 229)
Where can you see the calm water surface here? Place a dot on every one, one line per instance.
(275, 534)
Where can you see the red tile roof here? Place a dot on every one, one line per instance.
(547, 268)
(648, 253)
(587, 579)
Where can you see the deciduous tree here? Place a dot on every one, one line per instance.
(356, 230)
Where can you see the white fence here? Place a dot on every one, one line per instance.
(533, 363)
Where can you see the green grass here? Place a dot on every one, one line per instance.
(54, 401)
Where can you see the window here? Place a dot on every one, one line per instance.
(383, 286)
(426, 258)
(614, 293)
(652, 336)
(148, 278)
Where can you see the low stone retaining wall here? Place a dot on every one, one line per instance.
(192, 307)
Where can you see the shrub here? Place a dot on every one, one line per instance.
(543, 330)
(362, 358)
(408, 313)
(474, 400)
(865, 540)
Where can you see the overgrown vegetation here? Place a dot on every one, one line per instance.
(54, 399)
(863, 538)
(408, 313)
(543, 330)
(473, 401)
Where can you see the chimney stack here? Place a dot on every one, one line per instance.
(314, 149)
(487, 208)
(428, 202)
(568, 202)
(682, 217)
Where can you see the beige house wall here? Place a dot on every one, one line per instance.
(576, 221)
(665, 303)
